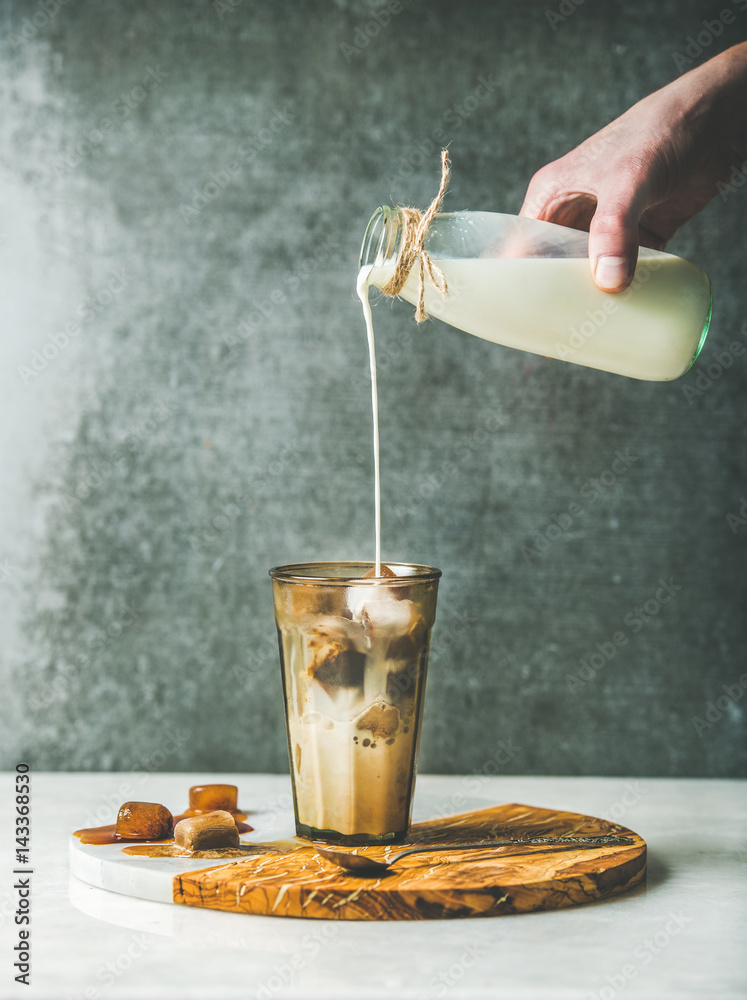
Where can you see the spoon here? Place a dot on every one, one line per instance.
(367, 866)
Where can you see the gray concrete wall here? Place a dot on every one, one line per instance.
(136, 613)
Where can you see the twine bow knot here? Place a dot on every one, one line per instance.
(415, 226)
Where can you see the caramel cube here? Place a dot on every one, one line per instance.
(207, 798)
(144, 821)
(207, 832)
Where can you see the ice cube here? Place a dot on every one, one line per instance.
(385, 572)
(408, 646)
(335, 661)
(328, 631)
(380, 611)
(345, 669)
(380, 719)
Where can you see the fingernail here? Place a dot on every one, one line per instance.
(611, 272)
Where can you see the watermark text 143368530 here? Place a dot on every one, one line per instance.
(22, 873)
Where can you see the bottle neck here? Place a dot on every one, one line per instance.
(382, 238)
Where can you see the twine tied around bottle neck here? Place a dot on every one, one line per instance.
(415, 226)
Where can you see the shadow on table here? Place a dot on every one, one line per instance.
(657, 870)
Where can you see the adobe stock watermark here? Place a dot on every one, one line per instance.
(564, 10)
(635, 620)
(265, 306)
(424, 149)
(109, 972)
(631, 796)
(592, 491)
(596, 319)
(46, 11)
(544, 190)
(121, 108)
(230, 512)
(725, 704)
(736, 180)
(365, 33)
(444, 637)
(60, 340)
(450, 630)
(422, 492)
(388, 355)
(449, 975)
(643, 955)
(709, 373)
(8, 572)
(98, 474)
(140, 772)
(284, 974)
(504, 751)
(711, 29)
(58, 689)
(246, 152)
(278, 808)
(739, 519)
(223, 7)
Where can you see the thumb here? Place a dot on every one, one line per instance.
(613, 237)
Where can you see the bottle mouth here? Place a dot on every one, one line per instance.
(381, 239)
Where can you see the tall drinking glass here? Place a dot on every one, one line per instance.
(354, 654)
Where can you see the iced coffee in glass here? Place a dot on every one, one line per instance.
(354, 654)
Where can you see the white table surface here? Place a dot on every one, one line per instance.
(682, 935)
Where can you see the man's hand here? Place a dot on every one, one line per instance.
(641, 177)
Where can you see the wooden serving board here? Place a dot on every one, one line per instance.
(481, 883)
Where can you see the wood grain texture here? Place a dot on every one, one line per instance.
(489, 882)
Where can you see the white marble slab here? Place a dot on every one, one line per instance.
(106, 866)
(681, 936)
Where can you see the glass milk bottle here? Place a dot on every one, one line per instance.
(527, 284)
